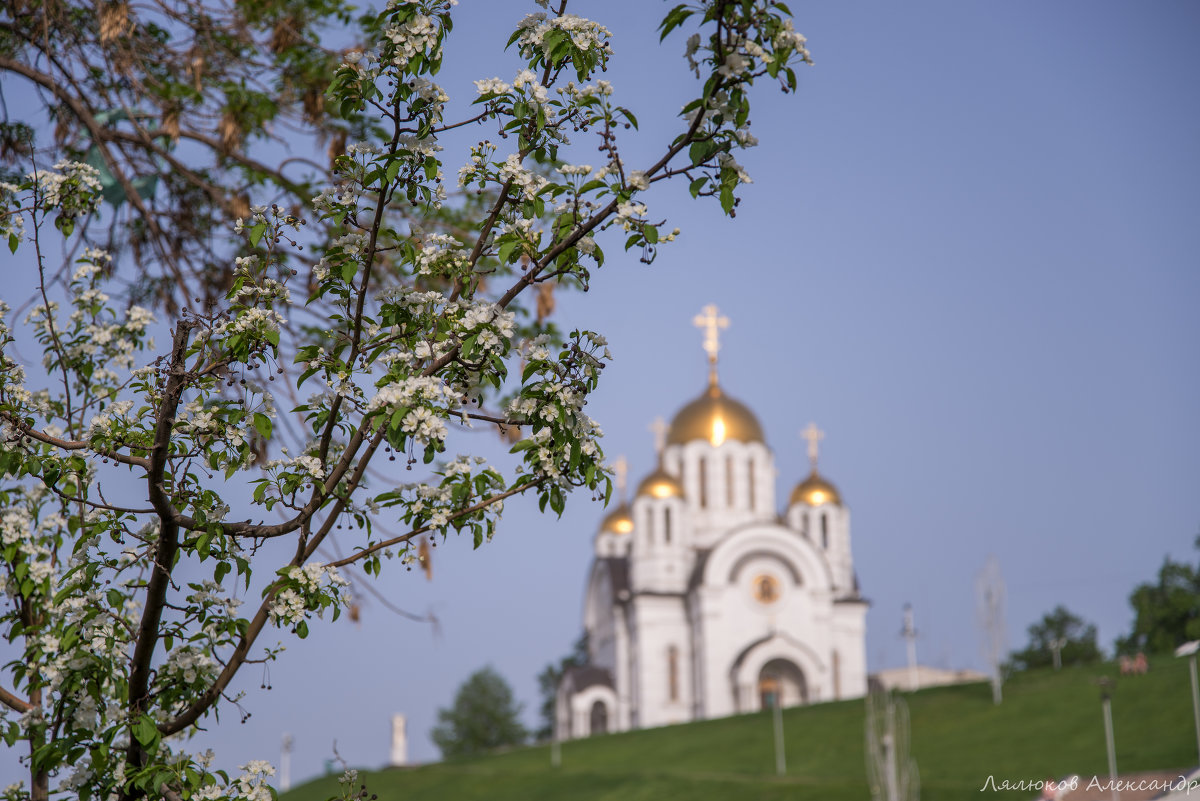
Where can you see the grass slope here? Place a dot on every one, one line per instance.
(1049, 724)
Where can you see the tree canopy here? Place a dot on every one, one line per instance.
(163, 504)
(1061, 631)
(1166, 611)
(484, 716)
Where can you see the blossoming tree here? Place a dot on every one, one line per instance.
(132, 590)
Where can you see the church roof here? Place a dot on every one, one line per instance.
(584, 676)
(715, 417)
(660, 484)
(618, 521)
(814, 491)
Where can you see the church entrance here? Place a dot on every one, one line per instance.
(781, 683)
(599, 721)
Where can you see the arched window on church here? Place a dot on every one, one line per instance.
(667, 525)
(703, 483)
(804, 524)
(649, 526)
(824, 530)
(750, 483)
(599, 718)
(672, 673)
(729, 482)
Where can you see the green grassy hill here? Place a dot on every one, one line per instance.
(1049, 724)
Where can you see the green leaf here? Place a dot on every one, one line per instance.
(145, 732)
(256, 233)
(263, 425)
(675, 17)
(702, 151)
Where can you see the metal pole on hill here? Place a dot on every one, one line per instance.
(1190, 649)
(1106, 685)
(780, 758)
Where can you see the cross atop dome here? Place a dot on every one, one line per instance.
(711, 321)
(814, 435)
(621, 473)
(659, 429)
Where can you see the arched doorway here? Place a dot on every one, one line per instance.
(781, 683)
(599, 718)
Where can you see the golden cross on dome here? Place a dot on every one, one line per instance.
(621, 472)
(659, 428)
(813, 435)
(711, 321)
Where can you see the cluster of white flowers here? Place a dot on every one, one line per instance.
(424, 425)
(585, 34)
(287, 607)
(254, 321)
(597, 89)
(492, 86)
(728, 162)
(428, 400)
(428, 91)
(210, 593)
(574, 169)
(352, 244)
(787, 37)
(493, 319)
(413, 391)
(334, 199)
(12, 223)
(528, 182)
(629, 214)
(440, 254)
(250, 786)
(305, 464)
(188, 664)
(62, 188)
(16, 525)
(412, 37)
(290, 604)
(423, 147)
(268, 289)
(480, 153)
(462, 465)
(137, 318)
(102, 423)
(536, 92)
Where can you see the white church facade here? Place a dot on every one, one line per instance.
(704, 600)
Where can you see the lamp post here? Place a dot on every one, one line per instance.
(1056, 646)
(285, 763)
(1106, 688)
(1190, 649)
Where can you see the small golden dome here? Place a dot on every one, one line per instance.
(715, 417)
(815, 491)
(660, 484)
(618, 521)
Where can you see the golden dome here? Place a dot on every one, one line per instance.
(815, 491)
(618, 521)
(715, 417)
(660, 484)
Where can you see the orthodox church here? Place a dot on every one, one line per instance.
(703, 600)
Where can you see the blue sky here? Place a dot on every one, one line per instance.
(970, 255)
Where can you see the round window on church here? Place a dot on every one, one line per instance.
(766, 588)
